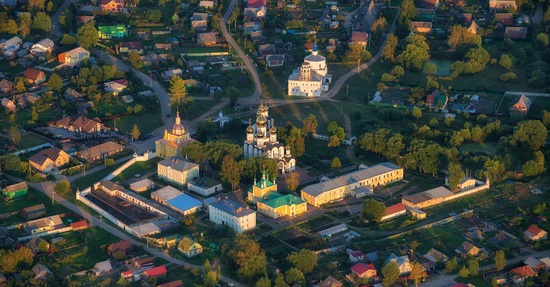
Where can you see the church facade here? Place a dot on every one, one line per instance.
(173, 142)
(311, 78)
(261, 139)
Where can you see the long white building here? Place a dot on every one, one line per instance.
(235, 215)
(311, 78)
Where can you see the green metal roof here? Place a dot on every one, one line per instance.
(111, 29)
(277, 200)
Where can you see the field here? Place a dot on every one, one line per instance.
(488, 148)
(86, 181)
(325, 112)
(140, 167)
(30, 140)
(147, 122)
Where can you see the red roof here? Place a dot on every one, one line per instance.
(534, 230)
(33, 74)
(524, 271)
(256, 3)
(361, 268)
(156, 271)
(309, 46)
(359, 37)
(177, 283)
(395, 208)
(126, 273)
(79, 224)
(459, 285)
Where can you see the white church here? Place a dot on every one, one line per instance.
(261, 139)
(311, 78)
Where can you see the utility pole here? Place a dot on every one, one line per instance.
(358, 61)
(53, 197)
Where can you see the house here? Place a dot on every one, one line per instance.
(111, 32)
(467, 249)
(502, 5)
(403, 263)
(43, 47)
(534, 233)
(475, 234)
(109, 187)
(170, 73)
(48, 159)
(124, 246)
(6, 86)
(521, 274)
(355, 256)
(15, 190)
(536, 264)
(84, 19)
(14, 43)
(189, 247)
(127, 47)
(8, 104)
(506, 19)
(429, 4)
(227, 212)
(142, 185)
(266, 49)
(116, 86)
(505, 239)
(34, 76)
(252, 14)
(163, 47)
(206, 39)
(364, 270)
(43, 224)
(80, 124)
(176, 200)
(251, 26)
(100, 151)
(515, 32)
(394, 211)
(520, 105)
(425, 14)
(435, 256)
(102, 268)
(330, 282)
(177, 283)
(206, 4)
(339, 187)
(112, 5)
(26, 99)
(73, 57)
(40, 271)
(275, 60)
(33, 212)
(546, 261)
(177, 170)
(156, 272)
(359, 38)
(199, 22)
(34, 244)
(256, 3)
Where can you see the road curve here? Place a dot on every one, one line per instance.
(255, 77)
(56, 29)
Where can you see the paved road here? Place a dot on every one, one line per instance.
(255, 77)
(538, 16)
(56, 29)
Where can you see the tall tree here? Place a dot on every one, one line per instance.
(62, 187)
(11, 162)
(42, 22)
(473, 267)
(35, 5)
(292, 181)
(336, 164)
(305, 260)
(135, 59)
(310, 125)
(500, 259)
(234, 94)
(195, 151)
(178, 92)
(373, 210)
(417, 273)
(14, 135)
(231, 171)
(408, 10)
(293, 275)
(389, 49)
(25, 23)
(280, 281)
(55, 83)
(87, 35)
(456, 174)
(416, 53)
(263, 282)
(135, 132)
(248, 257)
(531, 133)
(390, 272)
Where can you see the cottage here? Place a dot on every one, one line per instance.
(26, 99)
(251, 13)
(124, 246)
(359, 38)
(534, 233)
(73, 57)
(516, 32)
(206, 39)
(34, 76)
(521, 274)
(112, 5)
(355, 256)
(110, 32)
(251, 26)
(33, 212)
(330, 282)
(156, 272)
(127, 47)
(421, 27)
(505, 19)
(43, 47)
(102, 268)
(14, 43)
(100, 151)
(402, 262)
(15, 190)
(40, 271)
(207, 4)
(535, 263)
(364, 270)
(502, 5)
(116, 86)
(34, 244)
(505, 239)
(266, 49)
(49, 159)
(520, 105)
(80, 124)
(145, 263)
(8, 104)
(275, 60)
(43, 224)
(189, 247)
(435, 256)
(467, 249)
(199, 22)
(6, 86)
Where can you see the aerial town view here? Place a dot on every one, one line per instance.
(274, 143)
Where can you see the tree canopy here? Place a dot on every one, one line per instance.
(305, 260)
(373, 210)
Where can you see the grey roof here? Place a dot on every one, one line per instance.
(178, 164)
(439, 192)
(166, 193)
(234, 208)
(356, 176)
(314, 58)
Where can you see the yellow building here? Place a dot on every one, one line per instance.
(173, 142)
(360, 181)
(177, 170)
(261, 188)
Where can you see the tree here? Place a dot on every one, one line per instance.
(305, 260)
(373, 210)
(14, 261)
(389, 49)
(210, 277)
(36, 5)
(310, 125)
(494, 169)
(417, 273)
(109, 162)
(430, 68)
(546, 116)
(135, 132)
(119, 255)
(25, 23)
(11, 162)
(66, 20)
(43, 246)
(178, 92)
(263, 282)
(500, 260)
(336, 164)
(506, 62)
(42, 22)
(292, 136)
(135, 59)
(379, 27)
(87, 35)
(463, 272)
(415, 54)
(11, 27)
(416, 112)
(408, 10)
(355, 53)
(456, 174)
(14, 135)
(531, 133)
(234, 94)
(473, 267)
(451, 265)
(62, 187)
(293, 275)
(461, 40)
(292, 181)
(248, 257)
(542, 40)
(334, 129)
(231, 171)
(20, 85)
(280, 281)
(390, 272)
(55, 83)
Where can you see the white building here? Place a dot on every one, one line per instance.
(177, 170)
(311, 78)
(235, 215)
(261, 139)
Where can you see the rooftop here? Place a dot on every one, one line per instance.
(184, 202)
(233, 208)
(178, 164)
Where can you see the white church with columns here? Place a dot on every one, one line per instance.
(311, 78)
(261, 139)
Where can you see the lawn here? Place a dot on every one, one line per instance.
(489, 148)
(146, 122)
(325, 112)
(89, 179)
(360, 87)
(140, 167)
(197, 109)
(30, 140)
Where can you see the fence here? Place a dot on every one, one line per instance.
(145, 157)
(429, 225)
(60, 230)
(34, 148)
(508, 93)
(81, 197)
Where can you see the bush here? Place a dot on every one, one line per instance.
(508, 76)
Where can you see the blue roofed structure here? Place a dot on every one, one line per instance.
(184, 204)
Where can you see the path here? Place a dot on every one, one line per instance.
(255, 77)
(56, 29)
(95, 169)
(537, 17)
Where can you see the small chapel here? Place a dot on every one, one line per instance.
(174, 141)
(261, 139)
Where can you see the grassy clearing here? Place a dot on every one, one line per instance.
(141, 167)
(30, 140)
(90, 179)
(197, 109)
(489, 148)
(146, 122)
(325, 112)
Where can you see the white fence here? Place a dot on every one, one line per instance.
(45, 145)
(327, 138)
(145, 157)
(508, 93)
(60, 230)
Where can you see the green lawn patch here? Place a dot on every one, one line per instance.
(31, 140)
(489, 148)
(197, 109)
(140, 167)
(477, 281)
(90, 179)
(146, 122)
(325, 112)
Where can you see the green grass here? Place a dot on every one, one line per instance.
(30, 140)
(325, 112)
(197, 109)
(146, 122)
(489, 148)
(360, 87)
(140, 167)
(477, 281)
(90, 179)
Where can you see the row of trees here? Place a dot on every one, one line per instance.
(40, 23)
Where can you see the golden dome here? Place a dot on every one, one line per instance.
(261, 119)
(249, 129)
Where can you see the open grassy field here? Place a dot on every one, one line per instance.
(147, 122)
(140, 167)
(90, 179)
(325, 112)
(489, 148)
(30, 140)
